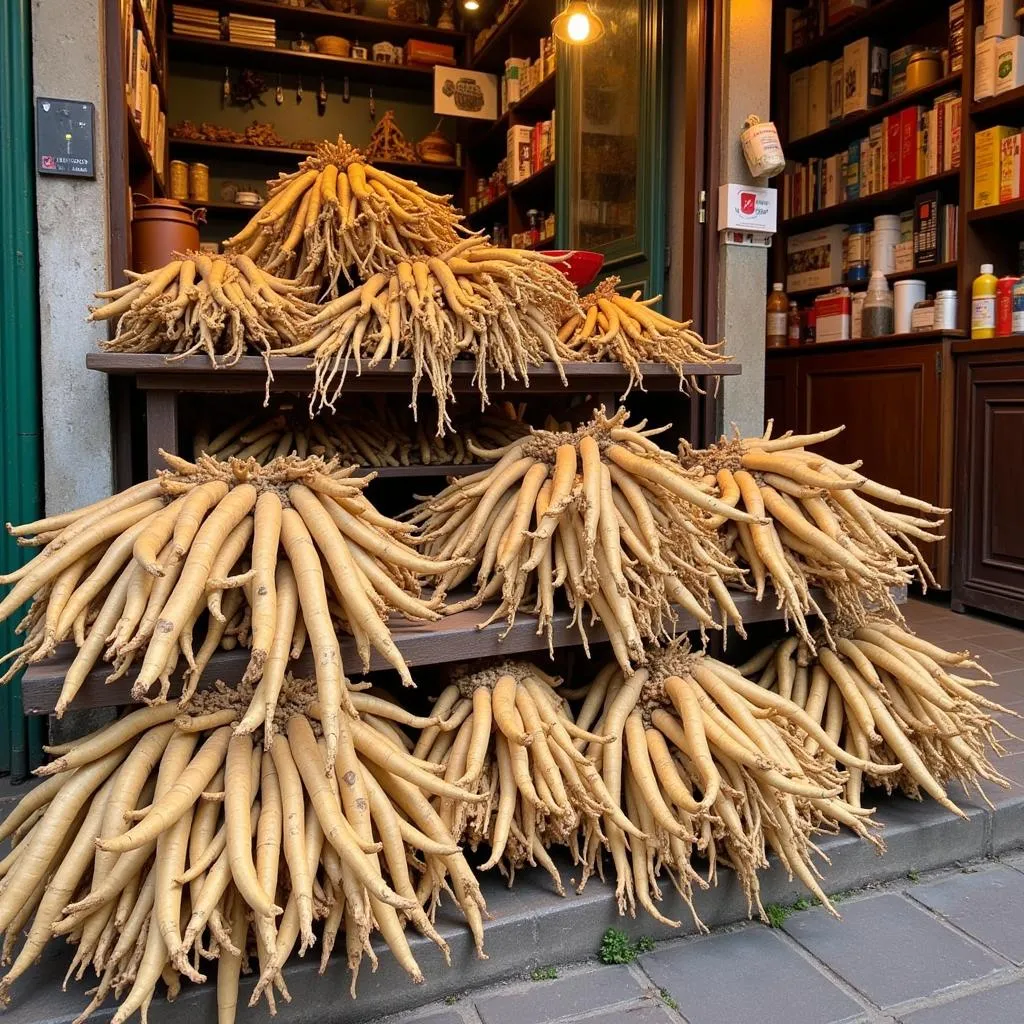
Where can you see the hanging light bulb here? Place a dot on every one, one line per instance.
(577, 24)
(471, 5)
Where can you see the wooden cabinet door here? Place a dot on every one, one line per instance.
(781, 402)
(896, 404)
(989, 552)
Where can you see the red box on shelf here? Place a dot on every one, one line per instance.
(427, 54)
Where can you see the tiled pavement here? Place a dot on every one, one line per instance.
(944, 948)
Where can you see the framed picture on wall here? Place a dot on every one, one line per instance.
(462, 93)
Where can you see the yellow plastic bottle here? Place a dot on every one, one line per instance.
(983, 303)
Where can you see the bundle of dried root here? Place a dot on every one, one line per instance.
(200, 304)
(819, 525)
(610, 326)
(615, 521)
(498, 307)
(292, 550)
(701, 760)
(890, 697)
(339, 216)
(156, 845)
(373, 434)
(518, 744)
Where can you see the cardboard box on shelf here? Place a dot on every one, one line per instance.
(1010, 169)
(832, 317)
(835, 91)
(985, 68)
(1009, 64)
(956, 37)
(799, 102)
(1000, 18)
(519, 146)
(814, 259)
(987, 153)
(865, 69)
(818, 97)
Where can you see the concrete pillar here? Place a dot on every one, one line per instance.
(746, 89)
(68, 63)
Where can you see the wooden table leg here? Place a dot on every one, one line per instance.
(161, 427)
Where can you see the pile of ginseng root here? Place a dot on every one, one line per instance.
(276, 558)
(174, 843)
(355, 268)
(374, 435)
(601, 512)
(626, 329)
(815, 523)
(247, 821)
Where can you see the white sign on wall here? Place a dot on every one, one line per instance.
(462, 93)
(747, 214)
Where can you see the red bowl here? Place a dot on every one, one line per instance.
(580, 266)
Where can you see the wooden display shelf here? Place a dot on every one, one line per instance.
(926, 273)
(993, 213)
(157, 68)
(1011, 102)
(851, 127)
(418, 470)
(540, 98)
(456, 638)
(877, 17)
(529, 18)
(140, 153)
(495, 206)
(536, 182)
(279, 58)
(865, 206)
(358, 26)
(886, 340)
(163, 383)
(222, 206)
(237, 150)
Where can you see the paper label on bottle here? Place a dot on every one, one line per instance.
(983, 313)
(776, 325)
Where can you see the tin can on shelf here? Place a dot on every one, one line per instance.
(179, 179)
(199, 183)
(946, 310)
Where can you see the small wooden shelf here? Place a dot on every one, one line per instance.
(878, 16)
(891, 198)
(534, 181)
(833, 137)
(222, 207)
(887, 340)
(491, 134)
(991, 213)
(458, 637)
(986, 346)
(157, 67)
(1011, 103)
(153, 372)
(498, 206)
(319, 21)
(935, 270)
(528, 18)
(221, 50)
(140, 153)
(239, 150)
(541, 98)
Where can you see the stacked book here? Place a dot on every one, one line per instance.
(198, 22)
(243, 28)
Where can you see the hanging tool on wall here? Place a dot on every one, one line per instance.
(279, 92)
(373, 106)
(345, 94)
(298, 92)
(321, 98)
(225, 92)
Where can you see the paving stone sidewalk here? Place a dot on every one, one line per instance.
(942, 948)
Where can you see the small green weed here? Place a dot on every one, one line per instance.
(666, 998)
(543, 974)
(450, 1000)
(777, 913)
(914, 876)
(618, 948)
